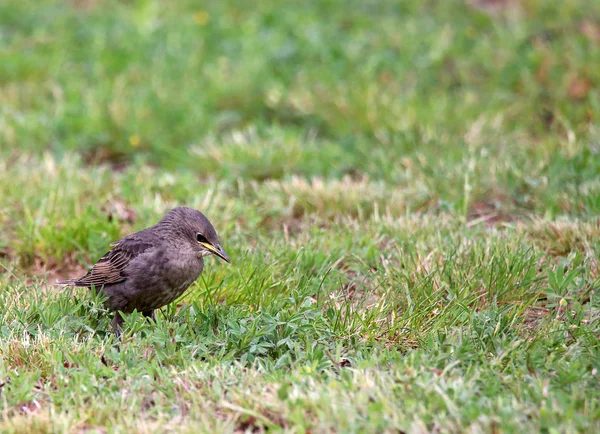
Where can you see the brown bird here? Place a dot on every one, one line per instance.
(151, 268)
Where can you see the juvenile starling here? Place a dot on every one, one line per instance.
(151, 268)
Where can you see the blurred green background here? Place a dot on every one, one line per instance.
(411, 92)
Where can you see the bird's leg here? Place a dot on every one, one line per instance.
(150, 315)
(117, 322)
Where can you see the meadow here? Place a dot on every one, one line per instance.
(409, 192)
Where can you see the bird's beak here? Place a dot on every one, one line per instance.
(217, 250)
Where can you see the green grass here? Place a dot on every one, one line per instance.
(409, 192)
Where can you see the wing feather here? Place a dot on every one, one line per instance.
(110, 268)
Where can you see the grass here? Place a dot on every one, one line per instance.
(408, 191)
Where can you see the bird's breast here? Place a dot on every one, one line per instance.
(183, 271)
(162, 282)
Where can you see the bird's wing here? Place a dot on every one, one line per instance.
(110, 268)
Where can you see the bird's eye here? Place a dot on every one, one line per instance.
(201, 238)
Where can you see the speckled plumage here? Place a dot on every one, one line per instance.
(153, 267)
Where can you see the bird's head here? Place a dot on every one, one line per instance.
(195, 228)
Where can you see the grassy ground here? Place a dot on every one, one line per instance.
(409, 192)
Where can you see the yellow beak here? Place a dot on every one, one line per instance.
(217, 250)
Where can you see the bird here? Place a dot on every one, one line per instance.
(149, 269)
